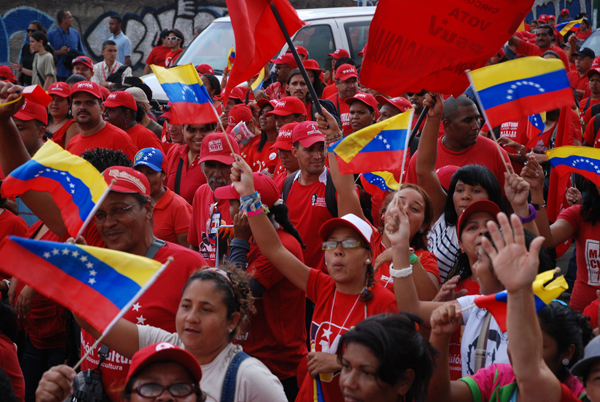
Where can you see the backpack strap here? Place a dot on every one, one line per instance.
(178, 176)
(587, 104)
(595, 109)
(287, 186)
(156, 245)
(330, 198)
(228, 391)
(596, 128)
(481, 350)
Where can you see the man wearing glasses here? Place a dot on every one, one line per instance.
(64, 39)
(122, 41)
(175, 42)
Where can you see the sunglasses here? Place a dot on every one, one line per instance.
(172, 38)
(422, 93)
(31, 30)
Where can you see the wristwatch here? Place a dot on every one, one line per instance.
(538, 206)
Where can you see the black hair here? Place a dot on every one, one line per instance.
(61, 16)
(280, 214)
(139, 114)
(74, 79)
(552, 52)
(179, 34)
(236, 293)
(589, 207)
(126, 394)
(163, 34)
(103, 158)
(117, 18)
(8, 322)
(395, 341)
(7, 393)
(344, 60)
(108, 43)
(40, 27)
(548, 27)
(263, 134)
(567, 327)
(473, 175)
(294, 72)
(452, 104)
(214, 83)
(40, 36)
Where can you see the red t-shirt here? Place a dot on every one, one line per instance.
(344, 110)
(172, 216)
(10, 363)
(59, 135)
(328, 91)
(441, 130)
(192, 176)
(11, 225)
(592, 311)
(589, 136)
(156, 307)
(307, 210)
(171, 57)
(335, 313)
(587, 240)
(158, 55)
(531, 49)
(484, 152)
(578, 82)
(109, 137)
(276, 91)
(277, 333)
(586, 114)
(516, 131)
(144, 138)
(259, 161)
(205, 220)
(583, 35)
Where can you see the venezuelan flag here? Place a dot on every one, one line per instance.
(258, 83)
(75, 185)
(378, 184)
(190, 101)
(95, 283)
(535, 127)
(582, 160)
(378, 147)
(565, 27)
(543, 292)
(230, 58)
(522, 87)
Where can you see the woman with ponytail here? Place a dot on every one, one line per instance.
(44, 62)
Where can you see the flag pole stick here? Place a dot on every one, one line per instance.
(311, 89)
(124, 310)
(487, 121)
(412, 114)
(93, 211)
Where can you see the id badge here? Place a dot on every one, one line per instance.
(215, 222)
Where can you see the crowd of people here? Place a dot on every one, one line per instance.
(291, 280)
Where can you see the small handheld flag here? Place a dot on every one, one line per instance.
(572, 26)
(230, 58)
(582, 160)
(378, 184)
(258, 83)
(535, 127)
(75, 185)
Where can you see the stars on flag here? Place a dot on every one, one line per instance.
(513, 92)
(136, 307)
(588, 164)
(141, 320)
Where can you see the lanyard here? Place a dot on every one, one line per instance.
(106, 68)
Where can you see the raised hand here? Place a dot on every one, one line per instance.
(241, 227)
(445, 319)
(436, 105)
(448, 291)
(327, 124)
(574, 196)
(533, 173)
(516, 189)
(8, 93)
(241, 176)
(397, 225)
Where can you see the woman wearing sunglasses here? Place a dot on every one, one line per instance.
(342, 299)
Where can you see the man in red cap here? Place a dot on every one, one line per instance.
(329, 76)
(583, 63)
(594, 98)
(236, 97)
(335, 57)
(302, 53)
(565, 15)
(284, 64)
(543, 37)
(391, 106)
(238, 114)
(83, 66)
(87, 108)
(121, 110)
(346, 82)
(109, 66)
(287, 163)
(209, 213)
(287, 110)
(31, 121)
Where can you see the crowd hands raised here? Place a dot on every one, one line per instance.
(321, 287)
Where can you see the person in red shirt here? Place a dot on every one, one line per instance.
(346, 81)
(158, 54)
(288, 110)
(259, 152)
(583, 63)
(121, 110)
(31, 121)
(284, 64)
(594, 98)
(175, 42)
(236, 97)
(363, 110)
(335, 57)
(83, 65)
(171, 213)
(543, 38)
(238, 114)
(9, 361)
(287, 163)
(63, 126)
(513, 138)
(86, 105)
(584, 30)
(208, 212)
(391, 106)
(332, 88)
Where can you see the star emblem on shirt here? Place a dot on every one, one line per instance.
(327, 334)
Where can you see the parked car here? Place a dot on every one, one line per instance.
(593, 42)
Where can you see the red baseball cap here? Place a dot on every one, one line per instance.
(237, 93)
(129, 180)
(237, 114)
(266, 187)
(477, 206)
(551, 17)
(86, 61)
(105, 92)
(307, 133)
(445, 174)
(367, 99)
(593, 70)
(339, 53)
(349, 221)
(32, 111)
(121, 98)
(345, 72)
(205, 69)
(312, 65)
(6, 72)
(287, 106)
(161, 352)
(89, 87)
(543, 18)
(400, 103)
(286, 59)
(284, 138)
(363, 51)
(60, 88)
(262, 102)
(215, 148)
(564, 11)
(301, 51)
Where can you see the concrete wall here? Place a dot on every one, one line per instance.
(142, 20)
(553, 7)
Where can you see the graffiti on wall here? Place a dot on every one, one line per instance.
(15, 22)
(553, 7)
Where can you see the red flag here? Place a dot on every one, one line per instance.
(257, 36)
(433, 50)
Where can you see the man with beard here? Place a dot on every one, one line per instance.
(87, 107)
(208, 213)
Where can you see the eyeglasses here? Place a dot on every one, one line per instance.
(332, 245)
(31, 30)
(114, 213)
(172, 38)
(152, 390)
(422, 93)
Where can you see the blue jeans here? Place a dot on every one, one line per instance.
(35, 362)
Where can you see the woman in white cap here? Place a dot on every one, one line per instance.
(343, 298)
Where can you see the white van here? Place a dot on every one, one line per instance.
(327, 29)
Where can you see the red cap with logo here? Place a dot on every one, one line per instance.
(266, 187)
(367, 99)
(86, 61)
(237, 114)
(286, 59)
(594, 70)
(307, 133)
(565, 11)
(476, 206)
(287, 106)
(345, 72)
(32, 111)
(121, 98)
(161, 352)
(262, 102)
(400, 103)
(312, 65)
(85, 86)
(543, 18)
(301, 51)
(237, 93)
(60, 88)
(128, 180)
(6, 74)
(215, 148)
(339, 53)
(284, 138)
(551, 17)
(205, 69)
